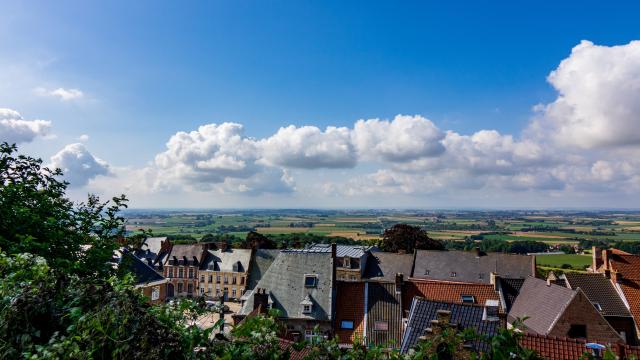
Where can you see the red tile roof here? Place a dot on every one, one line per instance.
(629, 267)
(295, 354)
(350, 306)
(447, 291)
(556, 348)
(552, 348)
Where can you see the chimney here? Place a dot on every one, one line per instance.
(260, 300)
(399, 282)
(478, 252)
(222, 245)
(607, 274)
(334, 250)
(493, 280)
(596, 258)
(617, 277)
(606, 254)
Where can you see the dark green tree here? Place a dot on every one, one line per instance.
(403, 237)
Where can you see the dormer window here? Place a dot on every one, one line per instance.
(347, 262)
(306, 309)
(426, 271)
(307, 305)
(468, 299)
(453, 274)
(310, 280)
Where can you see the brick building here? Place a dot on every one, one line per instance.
(181, 268)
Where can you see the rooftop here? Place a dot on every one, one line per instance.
(599, 290)
(383, 266)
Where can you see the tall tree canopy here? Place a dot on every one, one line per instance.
(36, 217)
(403, 237)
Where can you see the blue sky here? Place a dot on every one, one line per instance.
(149, 69)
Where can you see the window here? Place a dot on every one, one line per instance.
(201, 278)
(353, 278)
(381, 326)
(310, 281)
(181, 273)
(242, 280)
(453, 274)
(201, 291)
(189, 288)
(155, 293)
(310, 336)
(226, 279)
(210, 290)
(306, 309)
(233, 293)
(170, 272)
(577, 331)
(218, 279)
(468, 299)
(210, 278)
(346, 324)
(234, 280)
(347, 262)
(480, 276)
(597, 306)
(426, 271)
(190, 273)
(180, 287)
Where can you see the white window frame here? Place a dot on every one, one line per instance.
(155, 293)
(315, 282)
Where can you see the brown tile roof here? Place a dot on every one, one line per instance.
(350, 306)
(295, 354)
(560, 348)
(629, 267)
(447, 291)
(599, 290)
(554, 348)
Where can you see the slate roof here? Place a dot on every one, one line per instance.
(466, 316)
(510, 289)
(466, 266)
(230, 260)
(142, 272)
(542, 303)
(447, 291)
(383, 266)
(284, 282)
(151, 250)
(599, 290)
(192, 252)
(353, 251)
(260, 262)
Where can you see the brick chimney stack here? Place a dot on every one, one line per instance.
(596, 258)
(399, 282)
(606, 254)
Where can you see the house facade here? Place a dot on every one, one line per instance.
(181, 268)
(224, 271)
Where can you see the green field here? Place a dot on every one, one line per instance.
(556, 261)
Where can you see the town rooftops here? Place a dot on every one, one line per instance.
(600, 292)
(383, 266)
(423, 311)
(151, 250)
(509, 288)
(448, 291)
(230, 260)
(471, 266)
(293, 280)
(625, 271)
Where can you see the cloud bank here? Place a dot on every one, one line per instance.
(14, 129)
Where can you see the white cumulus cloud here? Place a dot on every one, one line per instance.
(14, 129)
(308, 147)
(78, 164)
(405, 138)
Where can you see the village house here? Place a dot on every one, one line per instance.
(300, 284)
(181, 268)
(151, 283)
(224, 271)
(554, 310)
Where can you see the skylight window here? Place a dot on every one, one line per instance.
(597, 306)
(453, 274)
(346, 324)
(310, 281)
(468, 299)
